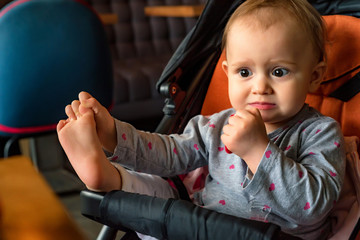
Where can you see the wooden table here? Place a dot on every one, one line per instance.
(108, 18)
(29, 209)
(174, 11)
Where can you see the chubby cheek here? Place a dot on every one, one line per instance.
(237, 97)
(291, 103)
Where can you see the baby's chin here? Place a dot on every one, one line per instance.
(275, 123)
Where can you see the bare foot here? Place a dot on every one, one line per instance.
(79, 139)
(105, 124)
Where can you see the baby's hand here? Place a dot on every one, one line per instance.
(245, 135)
(105, 125)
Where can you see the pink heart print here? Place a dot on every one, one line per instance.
(196, 146)
(288, 147)
(220, 149)
(332, 174)
(268, 154)
(232, 166)
(337, 144)
(123, 136)
(150, 145)
(272, 187)
(222, 202)
(175, 151)
(211, 125)
(301, 174)
(307, 206)
(266, 207)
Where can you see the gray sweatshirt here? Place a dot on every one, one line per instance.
(295, 186)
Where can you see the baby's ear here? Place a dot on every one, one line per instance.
(317, 76)
(225, 67)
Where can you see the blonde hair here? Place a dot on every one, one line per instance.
(266, 12)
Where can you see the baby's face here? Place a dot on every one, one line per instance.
(270, 69)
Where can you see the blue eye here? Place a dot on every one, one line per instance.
(244, 72)
(280, 72)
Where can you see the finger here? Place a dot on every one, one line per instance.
(232, 119)
(70, 113)
(253, 110)
(224, 138)
(248, 112)
(242, 113)
(238, 117)
(228, 130)
(256, 113)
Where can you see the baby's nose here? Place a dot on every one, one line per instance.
(261, 86)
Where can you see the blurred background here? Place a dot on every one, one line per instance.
(141, 43)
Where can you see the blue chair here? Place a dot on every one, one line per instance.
(50, 50)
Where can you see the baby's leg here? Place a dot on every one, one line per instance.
(147, 184)
(82, 146)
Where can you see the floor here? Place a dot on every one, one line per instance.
(90, 228)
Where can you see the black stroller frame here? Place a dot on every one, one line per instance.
(184, 82)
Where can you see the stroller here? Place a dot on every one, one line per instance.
(194, 84)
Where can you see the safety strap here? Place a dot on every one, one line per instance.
(183, 194)
(347, 90)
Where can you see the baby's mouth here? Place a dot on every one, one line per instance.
(263, 105)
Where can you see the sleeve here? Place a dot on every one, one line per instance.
(163, 155)
(303, 188)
